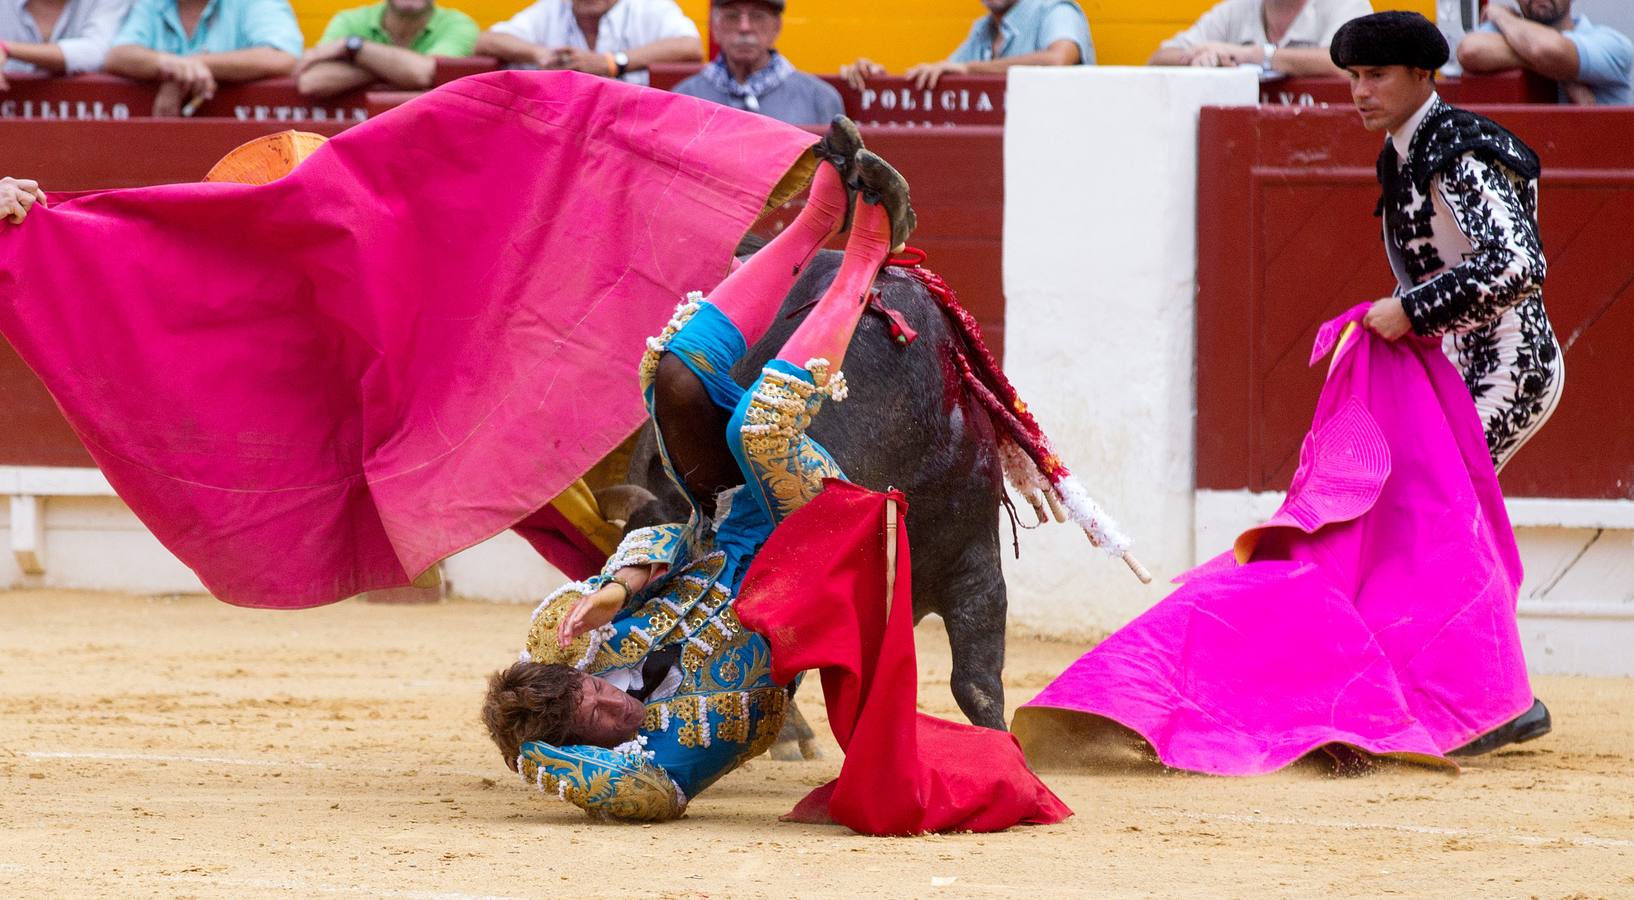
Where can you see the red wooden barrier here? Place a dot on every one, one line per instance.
(957, 100)
(1287, 239)
(957, 176)
(892, 100)
(1505, 87)
(269, 100)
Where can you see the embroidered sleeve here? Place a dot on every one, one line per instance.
(1498, 217)
(643, 547)
(622, 783)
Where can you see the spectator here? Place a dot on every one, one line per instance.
(1591, 62)
(189, 45)
(392, 42)
(615, 38)
(1013, 33)
(750, 73)
(1287, 36)
(56, 37)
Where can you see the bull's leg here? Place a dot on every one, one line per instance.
(796, 741)
(975, 633)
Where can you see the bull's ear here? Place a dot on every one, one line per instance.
(619, 503)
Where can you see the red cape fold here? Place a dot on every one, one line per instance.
(326, 384)
(816, 592)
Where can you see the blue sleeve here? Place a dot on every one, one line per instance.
(271, 23)
(1065, 22)
(971, 49)
(693, 86)
(1605, 56)
(140, 25)
(829, 103)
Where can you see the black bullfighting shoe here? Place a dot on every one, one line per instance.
(882, 184)
(1529, 725)
(839, 148)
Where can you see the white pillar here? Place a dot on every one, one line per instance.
(1100, 228)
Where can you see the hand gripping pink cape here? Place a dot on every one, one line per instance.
(1375, 609)
(326, 384)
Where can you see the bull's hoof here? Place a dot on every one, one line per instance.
(795, 750)
(881, 184)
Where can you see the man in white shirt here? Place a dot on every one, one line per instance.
(1286, 36)
(60, 37)
(614, 38)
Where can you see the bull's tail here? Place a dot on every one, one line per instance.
(1029, 459)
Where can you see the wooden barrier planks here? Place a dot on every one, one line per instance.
(1287, 239)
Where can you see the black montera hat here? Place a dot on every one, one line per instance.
(1389, 39)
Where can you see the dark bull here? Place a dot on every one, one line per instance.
(908, 424)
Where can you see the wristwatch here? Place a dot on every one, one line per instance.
(353, 45)
(1268, 51)
(621, 63)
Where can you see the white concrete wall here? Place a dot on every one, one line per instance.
(1100, 225)
(89, 539)
(1577, 602)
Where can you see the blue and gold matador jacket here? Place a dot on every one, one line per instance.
(727, 708)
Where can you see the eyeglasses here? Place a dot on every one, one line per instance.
(754, 12)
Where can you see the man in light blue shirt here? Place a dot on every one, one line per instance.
(189, 45)
(1013, 33)
(1592, 63)
(58, 39)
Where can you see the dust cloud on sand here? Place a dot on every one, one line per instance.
(180, 747)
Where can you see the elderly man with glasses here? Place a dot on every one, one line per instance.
(750, 74)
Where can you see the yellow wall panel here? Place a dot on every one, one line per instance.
(822, 35)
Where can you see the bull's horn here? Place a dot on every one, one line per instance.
(619, 502)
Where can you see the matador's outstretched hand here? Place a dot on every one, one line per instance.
(17, 197)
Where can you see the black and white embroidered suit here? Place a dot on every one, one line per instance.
(1461, 231)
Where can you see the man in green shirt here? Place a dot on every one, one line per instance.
(391, 42)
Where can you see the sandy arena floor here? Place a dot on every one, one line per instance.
(180, 747)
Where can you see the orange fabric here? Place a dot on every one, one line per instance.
(265, 159)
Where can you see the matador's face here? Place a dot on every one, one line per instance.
(1387, 96)
(605, 716)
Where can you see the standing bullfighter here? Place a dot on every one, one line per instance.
(1459, 205)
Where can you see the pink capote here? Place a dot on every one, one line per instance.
(324, 385)
(1376, 608)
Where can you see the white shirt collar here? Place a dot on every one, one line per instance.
(1403, 136)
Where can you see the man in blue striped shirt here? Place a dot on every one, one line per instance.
(1013, 33)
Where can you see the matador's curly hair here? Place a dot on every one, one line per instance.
(531, 701)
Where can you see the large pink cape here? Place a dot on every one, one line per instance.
(1375, 609)
(324, 385)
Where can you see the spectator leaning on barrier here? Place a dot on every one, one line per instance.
(1287, 36)
(615, 38)
(57, 38)
(391, 42)
(1013, 33)
(750, 73)
(1591, 62)
(189, 45)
